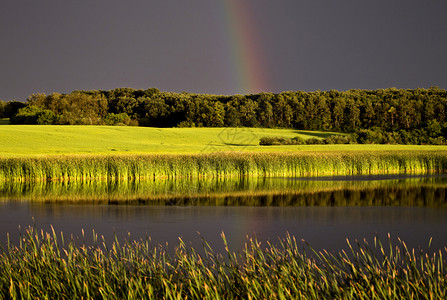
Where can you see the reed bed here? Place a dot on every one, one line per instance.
(46, 266)
(216, 165)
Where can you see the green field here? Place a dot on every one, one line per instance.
(32, 152)
(30, 140)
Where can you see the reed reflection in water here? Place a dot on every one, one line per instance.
(422, 191)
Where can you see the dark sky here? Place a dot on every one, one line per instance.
(60, 46)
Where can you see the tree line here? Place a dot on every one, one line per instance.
(413, 111)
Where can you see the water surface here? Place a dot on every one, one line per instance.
(323, 211)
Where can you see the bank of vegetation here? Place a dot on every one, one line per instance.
(46, 266)
(297, 140)
(218, 165)
(431, 135)
(391, 115)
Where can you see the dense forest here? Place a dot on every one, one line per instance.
(377, 116)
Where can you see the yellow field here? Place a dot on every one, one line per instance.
(30, 140)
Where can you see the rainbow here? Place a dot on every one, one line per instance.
(247, 68)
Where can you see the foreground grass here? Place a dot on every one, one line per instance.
(45, 266)
(32, 140)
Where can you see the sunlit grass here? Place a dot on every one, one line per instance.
(30, 140)
(47, 266)
(31, 152)
(33, 139)
(217, 165)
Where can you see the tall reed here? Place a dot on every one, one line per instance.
(231, 164)
(46, 266)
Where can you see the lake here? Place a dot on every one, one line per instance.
(322, 211)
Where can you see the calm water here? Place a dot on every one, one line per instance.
(323, 211)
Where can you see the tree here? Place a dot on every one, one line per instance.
(41, 100)
(266, 116)
(311, 121)
(33, 115)
(209, 112)
(352, 114)
(248, 113)
(337, 107)
(81, 109)
(233, 116)
(156, 110)
(11, 108)
(122, 119)
(297, 104)
(323, 110)
(282, 112)
(2, 108)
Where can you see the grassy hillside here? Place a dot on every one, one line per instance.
(29, 140)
